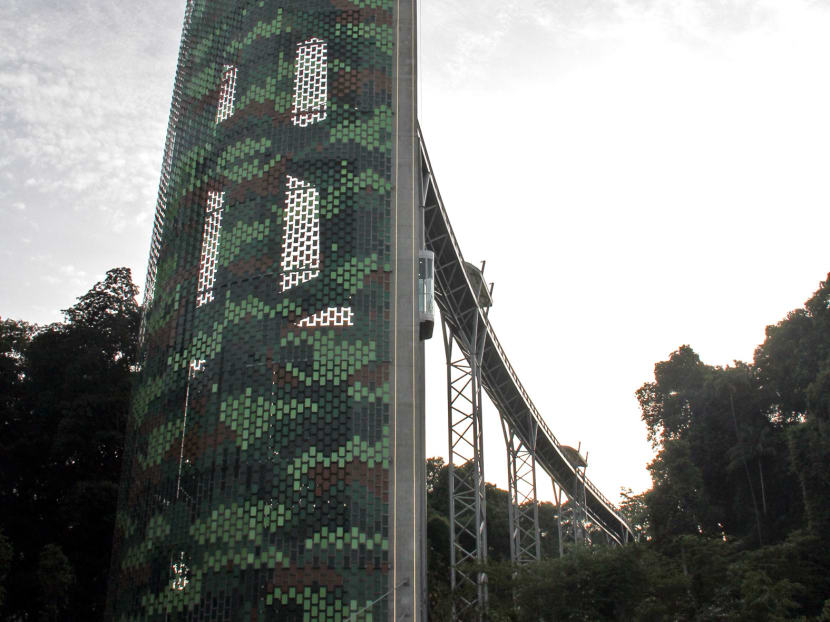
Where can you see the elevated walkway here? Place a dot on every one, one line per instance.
(460, 298)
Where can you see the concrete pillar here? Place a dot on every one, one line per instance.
(408, 498)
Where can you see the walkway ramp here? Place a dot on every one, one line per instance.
(459, 300)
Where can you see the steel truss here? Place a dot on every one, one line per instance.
(579, 512)
(523, 512)
(461, 308)
(557, 494)
(468, 502)
(481, 363)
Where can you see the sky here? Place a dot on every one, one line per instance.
(637, 174)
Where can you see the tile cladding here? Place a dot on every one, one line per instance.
(256, 474)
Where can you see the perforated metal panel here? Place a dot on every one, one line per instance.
(310, 82)
(227, 93)
(301, 237)
(210, 246)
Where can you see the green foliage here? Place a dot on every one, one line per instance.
(722, 466)
(589, 584)
(810, 455)
(6, 553)
(687, 578)
(794, 359)
(665, 402)
(743, 460)
(498, 524)
(548, 530)
(65, 391)
(636, 511)
(794, 364)
(439, 602)
(55, 577)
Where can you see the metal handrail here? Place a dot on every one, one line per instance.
(491, 334)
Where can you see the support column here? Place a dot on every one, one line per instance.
(407, 491)
(578, 506)
(557, 492)
(523, 511)
(468, 525)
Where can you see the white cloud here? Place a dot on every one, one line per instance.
(84, 96)
(71, 271)
(76, 105)
(70, 277)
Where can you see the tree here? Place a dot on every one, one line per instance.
(635, 510)
(794, 355)
(549, 533)
(794, 366)
(55, 578)
(588, 584)
(665, 403)
(721, 469)
(110, 308)
(63, 440)
(6, 554)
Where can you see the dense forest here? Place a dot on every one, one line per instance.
(735, 527)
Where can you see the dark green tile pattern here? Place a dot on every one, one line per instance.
(255, 487)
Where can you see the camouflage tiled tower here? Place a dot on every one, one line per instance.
(274, 455)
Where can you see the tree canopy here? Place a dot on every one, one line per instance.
(64, 390)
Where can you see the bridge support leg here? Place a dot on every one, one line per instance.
(468, 525)
(523, 511)
(557, 493)
(579, 505)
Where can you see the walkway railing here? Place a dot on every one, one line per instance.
(461, 310)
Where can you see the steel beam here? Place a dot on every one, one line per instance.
(557, 493)
(523, 511)
(468, 503)
(579, 506)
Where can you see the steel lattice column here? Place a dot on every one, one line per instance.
(579, 507)
(468, 526)
(557, 493)
(523, 512)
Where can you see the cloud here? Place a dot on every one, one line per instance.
(85, 91)
(506, 42)
(72, 272)
(74, 104)
(68, 274)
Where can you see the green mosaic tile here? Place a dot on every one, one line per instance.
(257, 467)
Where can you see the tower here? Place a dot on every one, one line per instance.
(275, 453)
